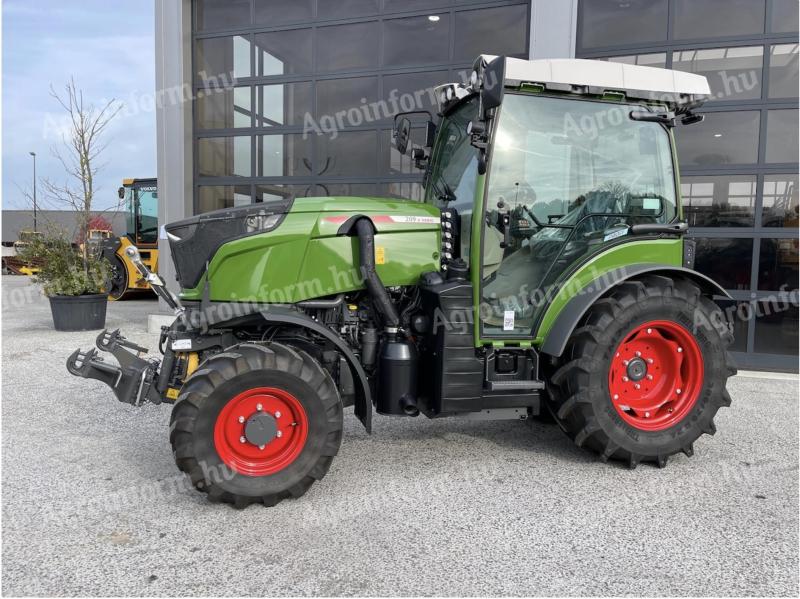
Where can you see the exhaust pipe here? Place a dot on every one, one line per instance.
(366, 246)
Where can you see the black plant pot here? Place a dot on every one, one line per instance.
(79, 312)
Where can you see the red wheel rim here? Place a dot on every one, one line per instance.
(656, 375)
(243, 455)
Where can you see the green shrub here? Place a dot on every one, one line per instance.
(64, 269)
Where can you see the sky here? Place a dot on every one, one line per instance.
(108, 47)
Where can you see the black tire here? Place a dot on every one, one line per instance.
(117, 283)
(224, 376)
(579, 396)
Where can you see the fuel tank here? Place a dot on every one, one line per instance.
(292, 250)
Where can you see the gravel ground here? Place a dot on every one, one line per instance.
(93, 504)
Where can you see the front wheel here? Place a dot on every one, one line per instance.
(257, 424)
(644, 373)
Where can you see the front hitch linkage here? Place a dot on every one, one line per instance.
(133, 381)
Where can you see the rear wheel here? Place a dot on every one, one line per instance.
(257, 424)
(644, 373)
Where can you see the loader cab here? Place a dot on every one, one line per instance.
(141, 205)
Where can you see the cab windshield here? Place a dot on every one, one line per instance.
(454, 171)
(571, 175)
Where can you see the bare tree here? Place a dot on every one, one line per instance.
(80, 155)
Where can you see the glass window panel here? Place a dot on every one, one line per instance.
(401, 92)
(780, 201)
(738, 313)
(719, 201)
(657, 59)
(783, 66)
(611, 23)
(407, 190)
(500, 31)
(404, 5)
(338, 9)
(716, 255)
(346, 101)
(778, 265)
(224, 156)
(781, 136)
(217, 197)
(784, 16)
(283, 52)
(723, 138)
(219, 60)
(269, 192)
(281, 12)
(282, 104)
(352, 153)
(221, 14)
(347, 189)
(223, 108)
(344, 47)
(718, 18)
(416, 40)
(283, 155)
(776, 329)
(733, 73)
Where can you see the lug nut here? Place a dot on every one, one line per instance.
(242, 439)
(649, 377)
(649, 360)
(647, 414)
(649, 331)
(261, 447)
(678, 391)
(625, 379)
(241, 419)
(638, 354)
(277, 414)
(279, 434)
(637, 386)
(616, 396)
(259, 407)
(680, 349)
(625, 362)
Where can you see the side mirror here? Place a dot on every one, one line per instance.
(492, 89)
(401, 135)
(121, 193)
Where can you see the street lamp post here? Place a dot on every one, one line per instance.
(34, 189)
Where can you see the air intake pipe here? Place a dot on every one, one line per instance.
(366, 246)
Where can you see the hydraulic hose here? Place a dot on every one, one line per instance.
(380, 297)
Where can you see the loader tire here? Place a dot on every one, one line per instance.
(644, 372)
(256, 424)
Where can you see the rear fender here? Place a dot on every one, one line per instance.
(569, 317)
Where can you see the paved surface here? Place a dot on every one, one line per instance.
(92, 504)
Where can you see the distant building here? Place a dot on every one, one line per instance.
(15, 221)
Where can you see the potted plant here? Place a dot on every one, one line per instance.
(73, 276)
(74, 281)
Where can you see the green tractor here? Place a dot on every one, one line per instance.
(545, 272)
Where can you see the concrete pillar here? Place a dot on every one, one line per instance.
(173, 29)
(554, 25)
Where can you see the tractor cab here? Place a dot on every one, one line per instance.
(561, 160)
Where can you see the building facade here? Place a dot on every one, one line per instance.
(267, 98)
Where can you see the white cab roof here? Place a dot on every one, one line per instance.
(611, 76)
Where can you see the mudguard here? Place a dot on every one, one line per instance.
(556, 340)
(287, 315)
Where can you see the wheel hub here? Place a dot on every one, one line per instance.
(656, 375)
(637, 369)
(260, 428)
(261, 431)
